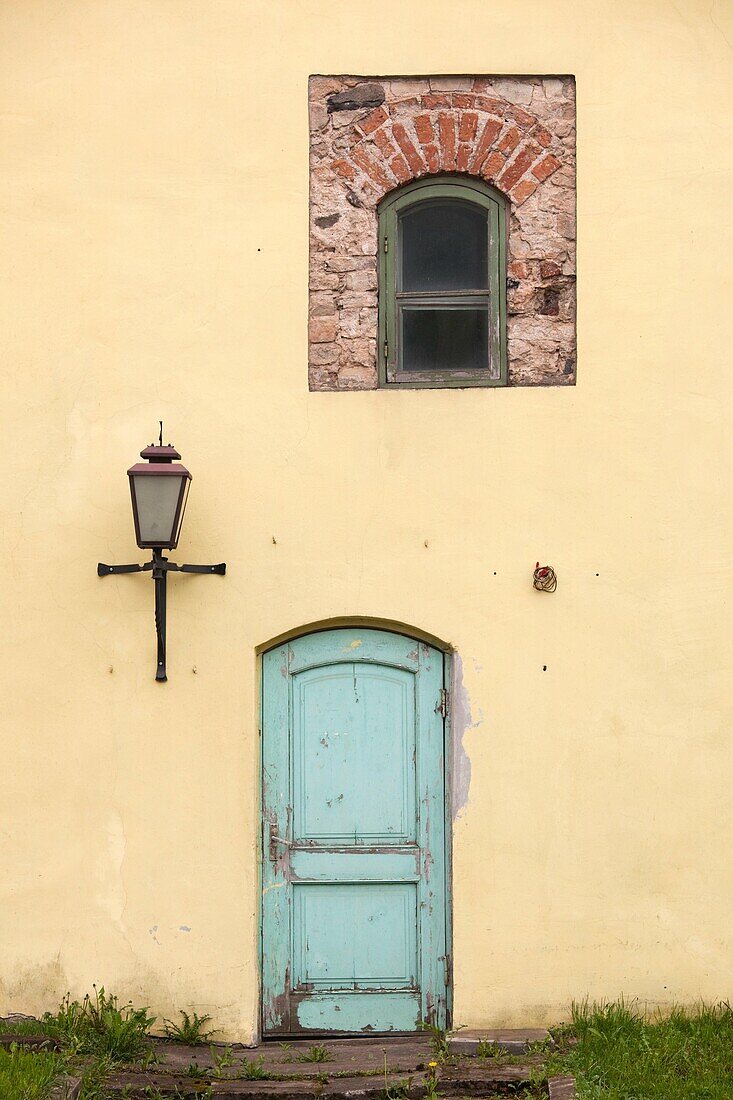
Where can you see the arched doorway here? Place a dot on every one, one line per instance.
(355, 881)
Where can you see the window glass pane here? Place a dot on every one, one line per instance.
(444, 246)
(445, 339)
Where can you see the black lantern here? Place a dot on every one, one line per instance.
(159, 490)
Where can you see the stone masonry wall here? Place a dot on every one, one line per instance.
(370, 135)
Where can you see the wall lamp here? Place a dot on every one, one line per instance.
(159, 490)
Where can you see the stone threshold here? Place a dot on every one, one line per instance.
(470, 1041)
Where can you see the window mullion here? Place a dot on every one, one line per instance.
(441, 295)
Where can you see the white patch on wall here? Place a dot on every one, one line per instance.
(111, 895)
(462, 720)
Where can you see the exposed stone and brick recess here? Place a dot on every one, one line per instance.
(370, 136)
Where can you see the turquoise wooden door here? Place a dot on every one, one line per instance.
(354, 869)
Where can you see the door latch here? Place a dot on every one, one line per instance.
(274, 841)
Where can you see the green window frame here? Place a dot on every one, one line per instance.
(392, 299)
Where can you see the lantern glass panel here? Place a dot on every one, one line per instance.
(181, 514)
(157, 499)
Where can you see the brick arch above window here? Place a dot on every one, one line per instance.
(462, 132)
(370, 136)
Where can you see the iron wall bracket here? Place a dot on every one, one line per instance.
(160, 567)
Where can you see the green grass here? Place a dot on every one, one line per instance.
(314, 1054)
(100, 1026)
(253, 1069)
(622, 1054)
(24, 1027)
(93, 1035)
(93, 1073)
(27, 1075)
(190, 1030)
(438, 1039)
(222, 1059)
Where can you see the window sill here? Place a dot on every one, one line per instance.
(413, 380)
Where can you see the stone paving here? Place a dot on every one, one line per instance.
(363, 1068)
(349, 1068)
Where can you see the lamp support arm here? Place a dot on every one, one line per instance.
(221, 568)
(167, 566)
(106, 570)
(160, 568)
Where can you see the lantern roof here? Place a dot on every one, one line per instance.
(160, 460)
(158, 453)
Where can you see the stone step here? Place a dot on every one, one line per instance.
(138, 1086)
(347, 1057)
(561, 1088)
(28, 1042)
(513, 1040)
(478, 1080)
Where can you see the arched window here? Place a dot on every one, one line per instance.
(442, 287)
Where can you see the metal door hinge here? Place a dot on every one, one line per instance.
(386, 350)
(386, 244)
(442, 704)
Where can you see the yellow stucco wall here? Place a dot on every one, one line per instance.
(153, 202)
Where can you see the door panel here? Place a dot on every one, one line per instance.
(353, 911)
(348, 721)
(380, 950)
